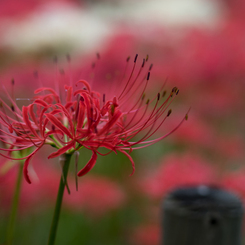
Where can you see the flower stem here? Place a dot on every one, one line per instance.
(66, 162)
(14, 208)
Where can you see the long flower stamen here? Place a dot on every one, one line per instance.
(129, 79)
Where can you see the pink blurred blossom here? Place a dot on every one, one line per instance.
(230, 146)
(15, 8)
(96, 195)
(200, 134)
(33, 197)
(176, 171)
(196, 132)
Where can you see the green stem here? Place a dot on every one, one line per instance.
(52, 234)
(14, 208)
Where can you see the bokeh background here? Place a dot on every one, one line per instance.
(196, 45)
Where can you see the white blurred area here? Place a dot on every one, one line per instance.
(55, 26)
(164, 12)
(87, 26)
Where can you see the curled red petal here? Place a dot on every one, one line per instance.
(27, 121)
(58, 124)
(81, 114)
(68, 105)
(61, 150)
(86, 84)
(10, 128)
(40, 102)
(32, 114)
(64, 110)
(89, 165)
(49, 90)
(25, 169)
(82, 92)
(26, 164)
(115, 101)
(110, 123)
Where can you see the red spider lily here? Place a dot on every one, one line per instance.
(85, 119)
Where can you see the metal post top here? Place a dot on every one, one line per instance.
(201, 199)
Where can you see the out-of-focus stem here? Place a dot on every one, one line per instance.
(14, 208)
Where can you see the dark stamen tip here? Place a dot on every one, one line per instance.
(186, 117)
(12, 108)
(12, 81)
(147, 102)
(143, 63)
(164, 93)
(128, 58)
(147, 57)
(174, 89)
(143, 96)
(158, 96)
(150, 67)
(169, 112)
(135, 59)
(148, 76)
(177, 91)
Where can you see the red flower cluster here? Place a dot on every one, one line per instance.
(85, 119)
(97, 196)
(175, 171)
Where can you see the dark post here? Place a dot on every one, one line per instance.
(202, 216)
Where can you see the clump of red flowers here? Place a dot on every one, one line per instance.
(85, 118)
(97, 195)
(184, 170)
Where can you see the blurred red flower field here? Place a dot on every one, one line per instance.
(206, 64)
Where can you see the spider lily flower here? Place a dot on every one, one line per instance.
(86, 119)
